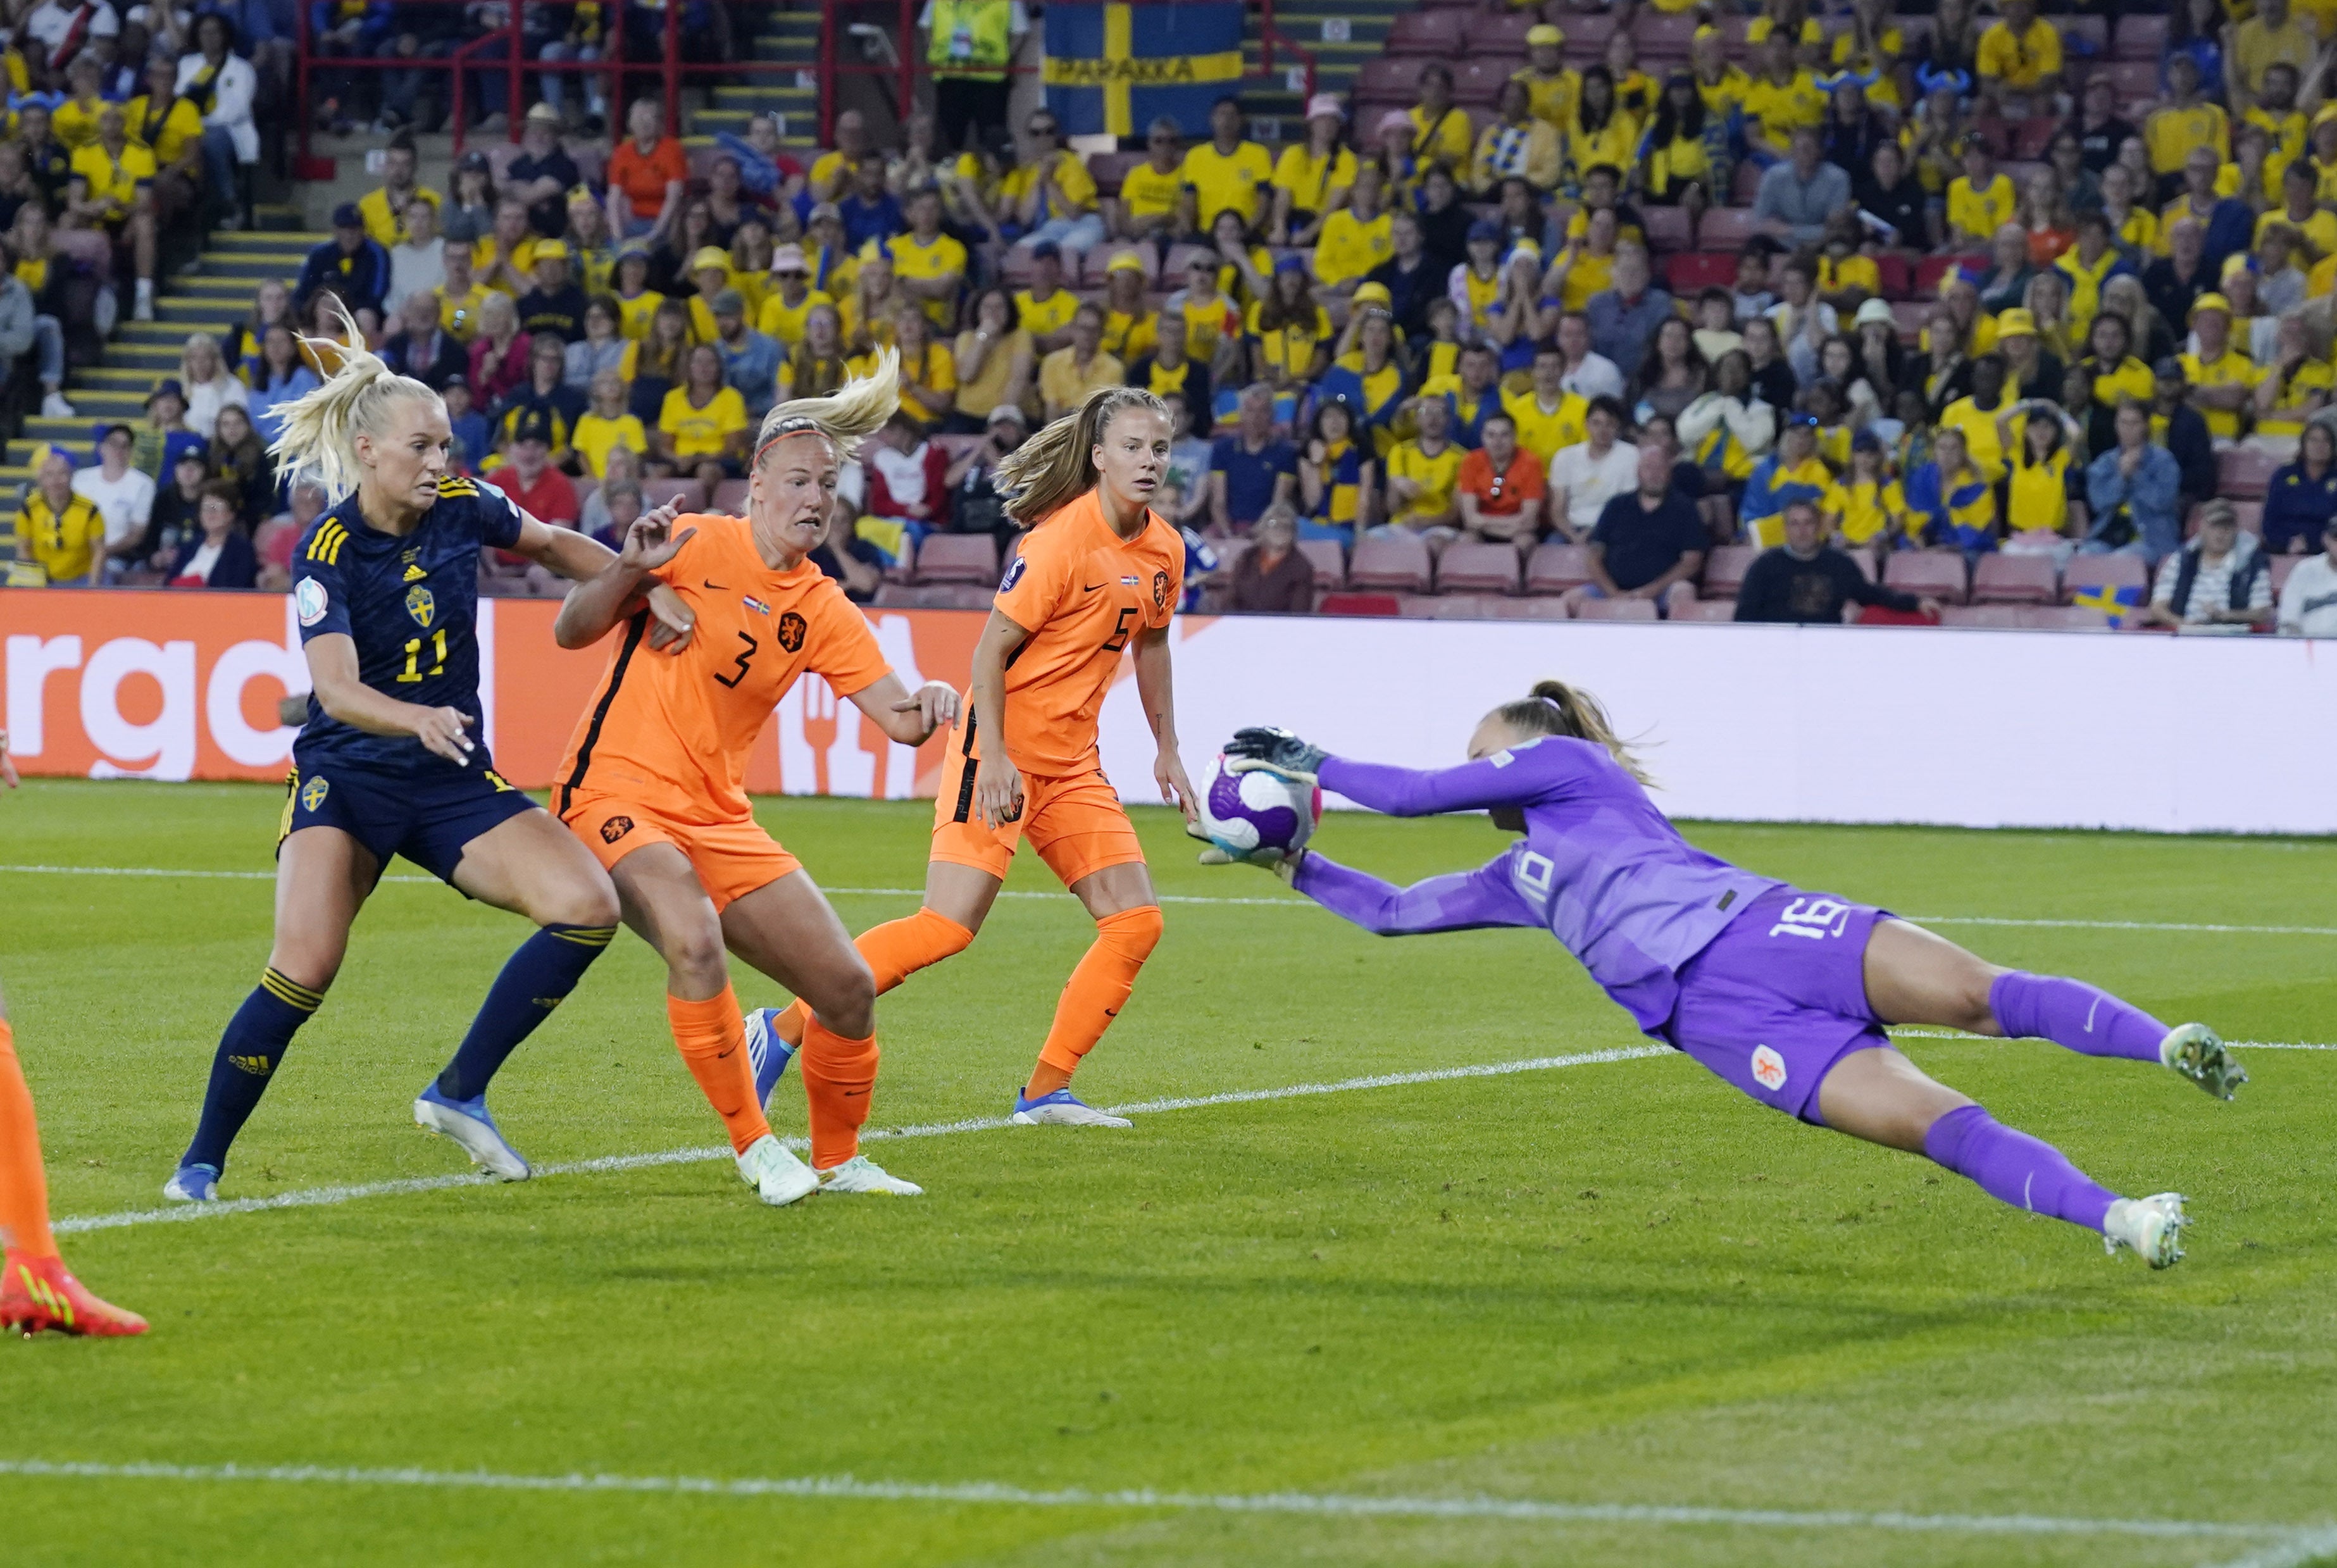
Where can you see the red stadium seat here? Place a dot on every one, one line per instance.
(1330, 562)
(2060, 618)
(1616, 609)
(2015, 580)
(274, 540)
(1383, 77)
(2083, 35)
(1435, 33)
(2140, 38)
(1467, 568)
(1898, 278)
(1554, 568)
(1932, 268)
(1745, 185)
(2243, 473)
(1111, 168)
(1910, 317)
(729, 498)
(2032, 137)
(1587, 35)
(1400, 564)
(1725, 568)
(1662, 35)
(2085, 573)
(2133, 81)
(1691, 271)
(1705, 609)
(1667, 228)
(2001, 617)
(1451, 606)
(1229, 555)
(656, 493)
(1726, 229)
(1530, 610)
(1359, 604)
(1932, 574)
(1480, 80)
(1498, 33)
(958, 558)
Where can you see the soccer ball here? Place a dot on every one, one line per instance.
(1245, 812)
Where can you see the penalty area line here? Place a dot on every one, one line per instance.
(328, 1197)
(1314, 1504)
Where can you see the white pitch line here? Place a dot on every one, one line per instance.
(2200, 927)
(325, 1197)
(1315, 1504)
(1898, 1034)
(2293, 1552)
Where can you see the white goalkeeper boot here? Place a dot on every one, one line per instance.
(2152, 1226)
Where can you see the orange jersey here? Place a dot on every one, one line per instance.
(671, 731)
(1083, 593)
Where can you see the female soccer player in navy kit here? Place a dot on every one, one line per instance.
(1783, 993)
(385, 584)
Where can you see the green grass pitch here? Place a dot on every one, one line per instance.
(1609, 1284)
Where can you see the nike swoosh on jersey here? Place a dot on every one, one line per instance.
(1091, 587)
(717, 587)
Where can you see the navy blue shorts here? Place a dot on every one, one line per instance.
(427, 818)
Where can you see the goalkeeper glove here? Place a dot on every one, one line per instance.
(1282, 864)
(1275, 751)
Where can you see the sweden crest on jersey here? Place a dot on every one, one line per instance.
(312, 793)
(420, 605)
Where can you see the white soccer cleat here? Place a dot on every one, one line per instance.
(1062, 1109)
(862, 1174)
(2197, 1052)
(2152, 1226)
(777, 1177)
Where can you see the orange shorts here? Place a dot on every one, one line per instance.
(1076, 823)
(731, 859)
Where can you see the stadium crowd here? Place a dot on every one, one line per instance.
(1427, 349)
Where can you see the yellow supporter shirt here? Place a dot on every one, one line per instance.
(1127, 338)
(944, 257)
(2319, 228)
(458, 314)
(1864, 509)
(387, 228)
(2132, 379)
(1725, 96)
(67, 545)
(1981, 213)
(116, 184)
(1544, 432)
(1436, 476)
(2171, 133)
(1616, 145)
(1208, 323)
(1315, 184)
(166, 134)
(1063, 387)
(778, 319)
(1893, 44)
(2140, 230)
(1052, 314)
(1290, 349)
(1072, 182)
(700, 432)
(74, 124)
(1449, 140)
(2312, 375)
(1350, 248)
(1220, 181)
(1586, 276)
(595, 437)
(634, 315)
(1147, 193)
(2037, 497)
(1783, 110)
(1550, 98)
(2287, 132)
(2234, 368)
(1850, 273)
(2019, 60)
(1758, 31)
(1979, 428)
(483, 256)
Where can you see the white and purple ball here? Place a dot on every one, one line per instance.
(1245, 812)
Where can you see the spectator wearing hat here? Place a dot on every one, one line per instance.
(790, 302)
(1131, 325)
(1227, 172)
(2223, 380)
(1051, 198)
(174, 517)
(1623, 319)
(555, 308)
(647, 174)
(1801, 191)
(1517, 145)
(422, 347)
(750, 359)
(1804, 580)
(1311, 180)
(1552, 87)
(971, 477)
(1146, 207)
(543, 174)
(352, 264)
(2029, 370)
(2133, 493)
(710, 274)
(1353, 238)
(2220, 579)
(123, 496)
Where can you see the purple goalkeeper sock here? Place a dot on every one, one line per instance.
(2013, 1168)
(2072, 1013)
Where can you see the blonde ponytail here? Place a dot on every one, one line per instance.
(1057, 466)
(1557, 708)
(319, 441)
(845, 418)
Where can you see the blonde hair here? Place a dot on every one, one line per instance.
(320, 427)
(844, 417)
(1057, 466)
(1557, 708)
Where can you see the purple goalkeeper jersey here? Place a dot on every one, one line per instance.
(1599, 867)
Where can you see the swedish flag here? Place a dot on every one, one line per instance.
(1112, 69)
(2111, 602)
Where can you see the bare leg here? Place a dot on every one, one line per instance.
(1913, 977)
(787, 930)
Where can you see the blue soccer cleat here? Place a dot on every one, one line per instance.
(1060, 1109)
(192, 1184)
(766, 1053)
(466, 1122)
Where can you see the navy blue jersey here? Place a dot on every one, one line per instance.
(411, 604)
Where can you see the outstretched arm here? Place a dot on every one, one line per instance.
(1458, 901)
(619, 585)
(1509, 777)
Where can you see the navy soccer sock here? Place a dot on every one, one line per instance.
(535, 979)
(249, 1055)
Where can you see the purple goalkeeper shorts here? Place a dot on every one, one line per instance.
(1779, 996)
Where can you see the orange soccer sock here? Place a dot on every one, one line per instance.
(23, 1189)
(893, 951)
(839, 1079)
(711, 1036)
(1095, 994)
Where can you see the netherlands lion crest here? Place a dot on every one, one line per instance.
(420, 605)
